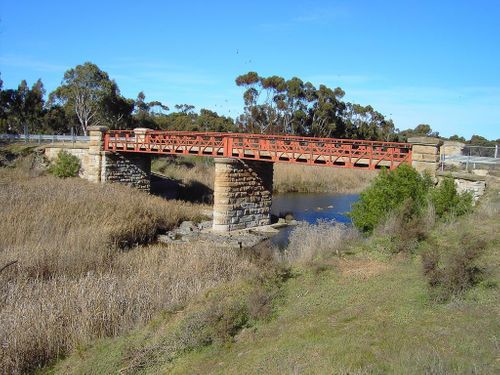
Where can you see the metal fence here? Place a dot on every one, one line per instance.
(472, 157)
(43, 138)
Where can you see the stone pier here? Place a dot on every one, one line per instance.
(425, 154)
(242, 194)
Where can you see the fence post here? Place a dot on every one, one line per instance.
(496, 151)
(467, 163)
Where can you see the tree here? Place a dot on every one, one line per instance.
(117, 111)
(457, 138)
(327, 112)
(86, 91)
(276, 105)
(22, 108)
(147, 113)
(421, 130)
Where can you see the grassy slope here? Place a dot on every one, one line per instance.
(334, 323)
(364, 313)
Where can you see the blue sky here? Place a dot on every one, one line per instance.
(435, 62)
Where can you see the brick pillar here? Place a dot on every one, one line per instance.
(96, 147)
(425, 154)
(242, 194)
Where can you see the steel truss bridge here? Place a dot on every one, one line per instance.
(346, 153)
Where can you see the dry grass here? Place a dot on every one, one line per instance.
(310, 242)
(53, 226)
(314, 179)
(74, 280)
(187, 169)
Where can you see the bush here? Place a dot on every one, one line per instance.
(66, 165)
(451, 271)
(447, 202)
(402, 232)
(389, 191)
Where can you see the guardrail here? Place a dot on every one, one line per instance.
(43, 138)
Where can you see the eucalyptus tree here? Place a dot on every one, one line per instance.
(147, 113)
(275, 105)
(89, 93)
(326, 113)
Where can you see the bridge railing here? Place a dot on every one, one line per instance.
(275, 148)
(43, 138)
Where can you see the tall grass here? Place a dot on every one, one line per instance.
(310, 242)
(315, 179)
(80, 274)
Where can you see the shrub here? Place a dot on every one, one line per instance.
(451, 271)
(389, 191)
(401, 231)
(446, 200)
(66, 165)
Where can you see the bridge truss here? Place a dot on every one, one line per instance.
(346, 153)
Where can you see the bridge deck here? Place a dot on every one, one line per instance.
(345, 153)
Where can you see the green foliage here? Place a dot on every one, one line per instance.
(66, 165)
(389, 191)
(89, 92)
(447, 202)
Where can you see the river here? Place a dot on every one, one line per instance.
(310, 207)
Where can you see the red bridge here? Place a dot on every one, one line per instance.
(346, 153)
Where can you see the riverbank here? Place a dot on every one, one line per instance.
(81, 267)
(348, 306)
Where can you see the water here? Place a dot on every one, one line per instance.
(311, 208)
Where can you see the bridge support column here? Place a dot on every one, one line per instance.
(126, 168)
(242, 194)
(94, 156)
(425, 154)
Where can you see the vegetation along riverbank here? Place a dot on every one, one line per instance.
(412, 288)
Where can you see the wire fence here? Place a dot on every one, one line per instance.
(43, 138)
(470, 158)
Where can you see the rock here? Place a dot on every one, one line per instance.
(205, 224)
(266, 229)
(187, 227)
(480, 172)
(165, 238)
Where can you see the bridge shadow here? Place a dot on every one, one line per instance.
(170, 188)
